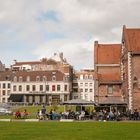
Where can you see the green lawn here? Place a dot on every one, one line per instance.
(69, 131)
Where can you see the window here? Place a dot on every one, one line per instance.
(37, 78)
(110, 89)
(86, 76)
(90, 90)
(3, 100)
(8, 92)
(75, 84)
(7, 78)
(15, 79)
(20, 88)
(47, 87)
(58, 87)
(66, 87)
(9, 85)
(81, 84)
(53, 87)
(81, 90)
(28, 79)
(3, 85)
(33, 87)
(86, 90)
(3, 92)
(53, 78)
(75, 90)
(14, 88)
(27, 88)
(90, 84)
(41, 87)
(86, 84)
(81, 77)
(86, 97)
(44, 78)
(20, 79)
(66, 78)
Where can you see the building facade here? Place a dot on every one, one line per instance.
(45, 81)
(5, 86)
(83, 85)
(130, 66)
(108, 85)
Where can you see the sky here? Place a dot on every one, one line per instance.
(33, 29)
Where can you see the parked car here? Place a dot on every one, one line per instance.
(5, 111)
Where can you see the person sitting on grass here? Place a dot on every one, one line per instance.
(25, 114)
(17, 115)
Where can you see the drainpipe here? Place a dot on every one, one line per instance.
(129, 81)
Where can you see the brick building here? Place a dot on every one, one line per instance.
(44, 81)
(108, 83)
(130, 66)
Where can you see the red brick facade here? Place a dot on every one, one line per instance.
(107, 69)
(130, 60)
(118, 67)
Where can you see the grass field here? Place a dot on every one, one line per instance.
(69, 131)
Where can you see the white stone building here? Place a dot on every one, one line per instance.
(83, 85)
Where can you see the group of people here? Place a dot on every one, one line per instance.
(43, 115)
(101, 115)
(115, 115)
(21, 115)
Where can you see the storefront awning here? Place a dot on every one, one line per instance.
(79, 102)
(16, 98)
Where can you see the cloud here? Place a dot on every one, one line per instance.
(77, 53)
(44, 27)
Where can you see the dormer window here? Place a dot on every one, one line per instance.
(44, 78)
(86, 76)
(20, 79)
(37, 78)
(15, 79)
(28, 79)
(53, 78)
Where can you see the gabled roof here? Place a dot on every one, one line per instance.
(79, 102)
(107, 53)
(27, 63)
(131, 36)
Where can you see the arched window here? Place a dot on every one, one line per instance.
(20, 78)
(86, 76)
(37, 78)
(15, 79)
(44, 78)
(53, 78)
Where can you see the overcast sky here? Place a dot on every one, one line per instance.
(32, 29)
